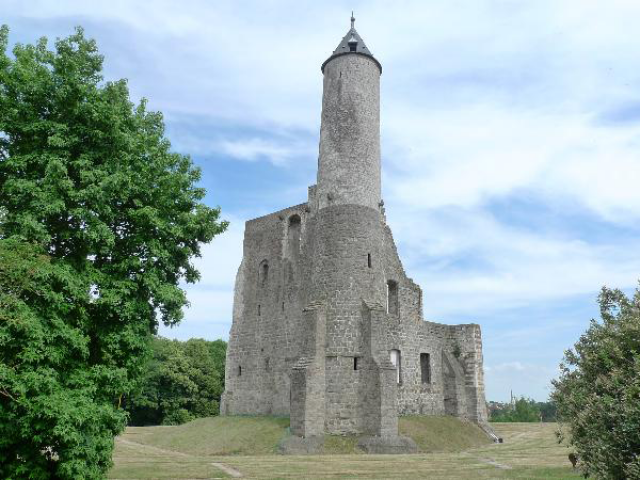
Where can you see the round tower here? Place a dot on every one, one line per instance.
(349, 159)
(344, 248)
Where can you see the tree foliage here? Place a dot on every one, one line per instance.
(100, 221)
(523, 410)
(183, 380)
(598, 392)
(53, 405)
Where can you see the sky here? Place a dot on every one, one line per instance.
(510, 144)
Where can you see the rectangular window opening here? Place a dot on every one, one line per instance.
(355, 363)
(392, 297)
(239, 371)
(369, 260)
(425, 367)
(258, 309)
(396, 360)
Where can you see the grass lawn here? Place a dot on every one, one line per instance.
(225, 447)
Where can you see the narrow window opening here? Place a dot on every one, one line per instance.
(258, 309)
(266, 364)
(425, 367)
(283, 306)
(369, 260)
(263, 273)
(396, 360)
(239, 371)
(355, 363)
(392, 297)
(293, 237)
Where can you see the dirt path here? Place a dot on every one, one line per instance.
(228, 470)
(149, 448)
(490, 461)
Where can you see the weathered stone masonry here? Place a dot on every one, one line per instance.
(327, 327)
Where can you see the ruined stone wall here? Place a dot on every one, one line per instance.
(468, 338)
(341, 257)
(266, 336)
(455, 385)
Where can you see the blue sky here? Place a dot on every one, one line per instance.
(510, 144)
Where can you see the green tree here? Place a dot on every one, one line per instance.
(548, 411)
(54, 421)
(206, 375)
(184, 380)
(167, 388)
(88, 181)
(598, 392)
(524, 410)
(218, 351)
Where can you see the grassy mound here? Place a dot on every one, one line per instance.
(530, 451)
(431, 434)
(442, 434)
(260, 436)
(216, 435)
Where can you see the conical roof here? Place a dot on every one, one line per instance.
(347, 46)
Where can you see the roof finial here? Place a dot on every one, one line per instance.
(353, 19)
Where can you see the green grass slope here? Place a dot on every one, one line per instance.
(530, 451)
(216, 435)
(260, 435)
(442, 434)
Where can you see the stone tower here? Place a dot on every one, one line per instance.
(349, 161)
(327, 327)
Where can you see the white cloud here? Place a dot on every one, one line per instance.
(464, 157)
(517, 366)
(530, 380)
(468, 255)
(255, 149)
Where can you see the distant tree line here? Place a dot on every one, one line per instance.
(182, 381)
(523, 409)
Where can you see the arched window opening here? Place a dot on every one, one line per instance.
(425, 367)
(392, 297)
(396, 360)
(293, 237)
(263, 273)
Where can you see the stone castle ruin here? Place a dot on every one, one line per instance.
(327, 327)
